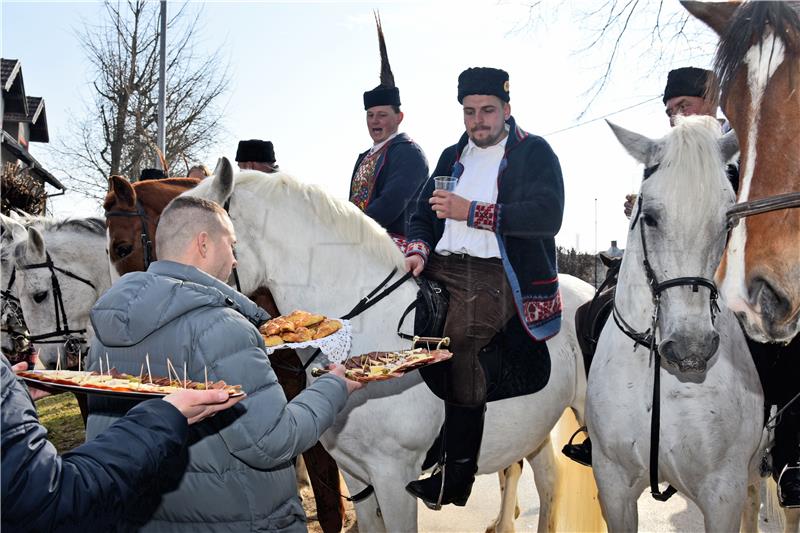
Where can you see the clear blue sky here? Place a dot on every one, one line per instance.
(298, 70)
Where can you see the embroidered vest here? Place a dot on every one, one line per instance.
(364, 180)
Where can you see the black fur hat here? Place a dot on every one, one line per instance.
(386, 93)
(483, 80)
(686, 81)
(152, 174)
(255, 150)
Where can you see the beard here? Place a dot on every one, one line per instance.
(488, 141)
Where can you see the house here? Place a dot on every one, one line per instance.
(24, 120)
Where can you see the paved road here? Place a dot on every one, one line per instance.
(677, 514)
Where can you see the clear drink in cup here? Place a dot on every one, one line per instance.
(444, 183)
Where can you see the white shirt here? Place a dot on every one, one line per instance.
(478, 182)
(376, 147)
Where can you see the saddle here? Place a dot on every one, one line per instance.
(513, 363)
(591, 317)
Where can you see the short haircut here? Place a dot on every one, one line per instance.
(201, 168)
(184, 218)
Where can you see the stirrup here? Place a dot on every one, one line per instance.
(782, 497)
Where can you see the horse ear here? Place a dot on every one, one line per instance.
(715, 14)
(639, 146)
(222, 181)
(729, 146)
(12, 225)
(123, 191)
(32, 249)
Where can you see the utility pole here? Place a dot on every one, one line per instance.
(161, 141)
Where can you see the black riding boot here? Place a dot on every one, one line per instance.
(452, 483)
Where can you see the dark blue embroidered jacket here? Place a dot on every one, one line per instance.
(399, 173)
(525, 220)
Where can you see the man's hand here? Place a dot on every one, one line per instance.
(338, 370)
(415, 264)
(33, 391)
(196, 405)
(630, 201)
(449, 205)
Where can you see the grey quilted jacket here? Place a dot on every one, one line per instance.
(237, 474)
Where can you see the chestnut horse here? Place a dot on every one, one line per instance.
(132, 214)
(758, 67)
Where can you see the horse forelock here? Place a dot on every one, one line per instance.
(691, 172)
(341, 216)
(750, 24)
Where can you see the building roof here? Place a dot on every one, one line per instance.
(35, 167)
(14, 100)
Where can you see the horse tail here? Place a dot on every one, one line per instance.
(576, 506)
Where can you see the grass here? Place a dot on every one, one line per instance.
(62, 418)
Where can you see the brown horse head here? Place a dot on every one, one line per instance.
(132, 213)
(758, 68)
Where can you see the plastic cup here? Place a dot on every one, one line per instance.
(444, 183)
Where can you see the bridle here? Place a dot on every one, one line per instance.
(13, 325)
(789, 200)
(72, 339)
(648, 338)
(147, 242)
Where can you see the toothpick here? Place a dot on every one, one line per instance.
(101, 365)
(58, 359)
(149, 373)
(141, 371)
(108, 365)
(184, 374)
(171, 370)
(205, 372)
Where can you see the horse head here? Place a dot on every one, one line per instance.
(758, 68)
(14, 331)
(132, 214)
(676, 239)
(61, 271)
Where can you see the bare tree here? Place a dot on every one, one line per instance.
(118, 131)
(658, 31)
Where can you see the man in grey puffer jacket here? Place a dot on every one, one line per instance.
(237, 473)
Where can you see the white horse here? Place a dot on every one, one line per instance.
(712, 405)
(319, 253)
(62, 269)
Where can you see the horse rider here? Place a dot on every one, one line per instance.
(256, 154)
(778, 365)
(88, 488)
(198, 171)
(386, 176)
(490, 241)
(237, 472)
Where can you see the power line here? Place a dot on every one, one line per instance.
(578, 125)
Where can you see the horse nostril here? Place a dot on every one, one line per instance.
(772, 301)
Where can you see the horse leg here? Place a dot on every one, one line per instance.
(545, 477)
(324, 476)
(791, 520)
(398, 509)
(368, 514)
(750, 513)
(509, 481)
(722, 502)
(618, 494)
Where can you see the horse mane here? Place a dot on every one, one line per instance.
(749, 24)
(94, 225)
(693, 161)
(338, 214)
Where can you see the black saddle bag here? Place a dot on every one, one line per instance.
(431, 305)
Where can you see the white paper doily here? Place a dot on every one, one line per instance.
(336, 346)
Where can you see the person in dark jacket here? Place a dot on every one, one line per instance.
(88, 488)
(491, 242)
(237, 474)
(386, 176)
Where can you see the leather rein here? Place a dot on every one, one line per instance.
(789, 200)
(648, 338)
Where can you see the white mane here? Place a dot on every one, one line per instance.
(692, 167)
(340, 215)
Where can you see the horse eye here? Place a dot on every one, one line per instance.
(649, 220)
(123, 250)
(39, 297)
